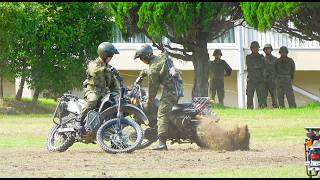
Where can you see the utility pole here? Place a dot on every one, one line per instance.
(241, 73)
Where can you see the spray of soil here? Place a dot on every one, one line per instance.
(217, 138)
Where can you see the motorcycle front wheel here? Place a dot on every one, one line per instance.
(113, 139)
(59, 142)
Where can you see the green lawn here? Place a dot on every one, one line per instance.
(269, 125)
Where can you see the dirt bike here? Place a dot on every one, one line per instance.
(110, 124)
(183, 127)
(312, 151)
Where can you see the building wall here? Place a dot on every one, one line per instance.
(8, 87)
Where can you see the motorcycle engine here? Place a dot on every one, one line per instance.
(92, 121)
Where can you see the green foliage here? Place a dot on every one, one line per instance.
(262, 15)
(75, 29)
(171, 19)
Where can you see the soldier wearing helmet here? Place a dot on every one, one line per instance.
(285, 69)
(270, 60)
(256, 76)
(158, 75)
(218, 68)
(99, 80)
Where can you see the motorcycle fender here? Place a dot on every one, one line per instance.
(129, 108)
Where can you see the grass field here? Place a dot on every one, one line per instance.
(276, 143)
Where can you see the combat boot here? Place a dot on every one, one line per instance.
(162, 144)
(79, 124)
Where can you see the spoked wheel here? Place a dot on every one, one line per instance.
(125, 139)
(59, 141)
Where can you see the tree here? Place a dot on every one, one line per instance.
(50, 43)
(5, 25)
(68, 35)
(190, 24)
(298, 19)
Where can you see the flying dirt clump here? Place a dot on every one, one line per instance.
(217, 138)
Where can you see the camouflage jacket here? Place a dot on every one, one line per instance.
(99, 78)
(158, 74)
(270, 66)
(255, 67)
(285, 68)
(218, 69)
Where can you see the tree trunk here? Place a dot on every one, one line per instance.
(20, 90)
(1, 90)
(35, 96)
(200, 64)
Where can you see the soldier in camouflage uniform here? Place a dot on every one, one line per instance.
(285, 69)
(99, 80)
(256, 76)
(218, 68)
(158, 75)
(270, 60)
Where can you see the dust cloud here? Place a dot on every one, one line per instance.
(218, 138)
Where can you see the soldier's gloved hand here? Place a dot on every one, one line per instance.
(143, 73)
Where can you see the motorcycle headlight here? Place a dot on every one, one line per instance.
(63, 109)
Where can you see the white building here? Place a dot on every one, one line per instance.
(234, 45)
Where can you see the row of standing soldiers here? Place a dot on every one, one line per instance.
(266, 74)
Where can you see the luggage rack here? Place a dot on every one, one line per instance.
(198, 104)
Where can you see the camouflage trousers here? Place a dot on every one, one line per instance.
(92, 98)
(217, 87)
(272, 89)
(284, 87)
(259, 87)
(167, 101)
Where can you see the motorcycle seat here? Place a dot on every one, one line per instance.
(180, 106)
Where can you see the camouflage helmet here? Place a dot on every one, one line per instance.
(283, 48)
(217, 51)
(106, 49)
(145, 51)
(254, 44)
(268, 46)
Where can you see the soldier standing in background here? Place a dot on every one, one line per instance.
(218, 68)
(256, 76)
(270, 74)
(285, 69)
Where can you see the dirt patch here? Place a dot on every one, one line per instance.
(93, 162)
(219, 138)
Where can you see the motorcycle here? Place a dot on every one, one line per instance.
(111, 124)
(312, 151)
(183, 124)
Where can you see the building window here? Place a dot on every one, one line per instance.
(137, 38)
(228, 37)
